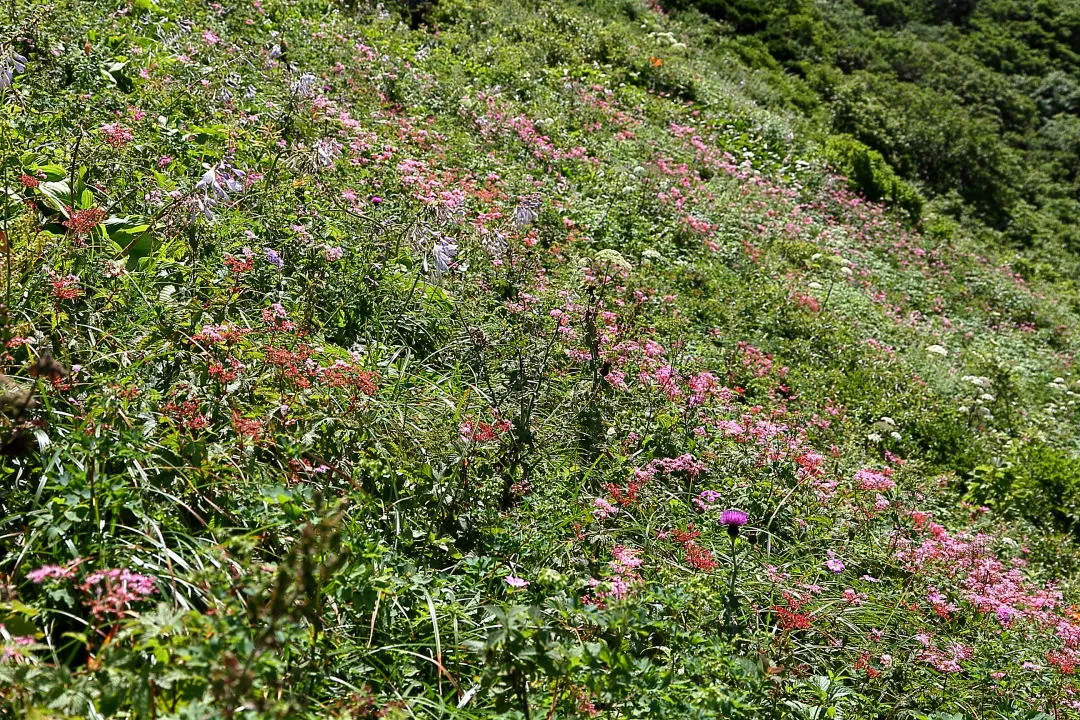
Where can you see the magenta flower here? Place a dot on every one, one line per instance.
(705, 499)
(733, 519)
(516, 582)
(111, 591)
(49, 571)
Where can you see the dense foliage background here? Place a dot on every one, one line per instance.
(425, 359)
(975, 103)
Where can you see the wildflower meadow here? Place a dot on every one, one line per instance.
(503, 358)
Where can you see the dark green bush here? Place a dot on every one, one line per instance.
(868, 173)
(1037, 482)
(1047, 486)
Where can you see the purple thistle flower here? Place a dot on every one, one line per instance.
(733, 519)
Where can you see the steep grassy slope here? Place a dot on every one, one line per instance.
(358, 370)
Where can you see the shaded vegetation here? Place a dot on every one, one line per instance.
(974, 101)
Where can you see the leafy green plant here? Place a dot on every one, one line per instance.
(868, 173)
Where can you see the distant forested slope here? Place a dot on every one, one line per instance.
(975, 102)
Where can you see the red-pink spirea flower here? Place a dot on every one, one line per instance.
(83, 222)
(15, 650)
(111, 591)
(46, 572)
(66, 288)
(482, 432)
(873, 480)
(622, 581)
(116, 135)
(790, 619)
(699, 557)
(602, 509)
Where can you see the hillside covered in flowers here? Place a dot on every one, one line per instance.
(503, 358)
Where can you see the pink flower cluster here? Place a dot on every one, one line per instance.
(116, 135)
(619, 585)
(685, 463)
(874, 480)
(14, 649)
(107, 592)
(47, 572)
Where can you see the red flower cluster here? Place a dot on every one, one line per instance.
(863, 663)
(66, 288)
(1062, 660)
(83, 222)
(698, 557)
(223, 374)
(293, 365)
(341, 375)
(187, 414)
(247, 427)
(624, 496)
(238, 265)
(790, 619)
(481, 432)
